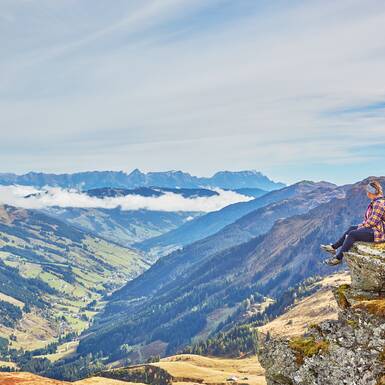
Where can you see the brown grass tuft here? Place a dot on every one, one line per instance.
(343, 303)
(374, 306)
(307, 347)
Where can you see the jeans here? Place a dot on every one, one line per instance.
(353, 234)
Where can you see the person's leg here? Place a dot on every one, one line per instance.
(364, 234)
(340, 242)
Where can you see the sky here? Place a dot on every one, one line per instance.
(294, 89)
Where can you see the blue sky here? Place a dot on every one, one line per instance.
(295, 89)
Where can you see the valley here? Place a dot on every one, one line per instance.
(65, 273)
(190, 369)
(85, 293)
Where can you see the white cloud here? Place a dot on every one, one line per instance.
(144, 84)
(39, 199)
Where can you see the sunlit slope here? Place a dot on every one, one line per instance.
(31, 379)
(54, 272)
(313, 309)
(191, 369)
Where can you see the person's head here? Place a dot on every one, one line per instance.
(374, 190)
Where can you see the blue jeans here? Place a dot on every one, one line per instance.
(353, 234)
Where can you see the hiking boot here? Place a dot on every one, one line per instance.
(333, 261)
(328, 248)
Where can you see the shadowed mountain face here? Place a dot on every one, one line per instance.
(251, 225)
(210, 223)
(180, 307)
(173, 179)
(150, 192)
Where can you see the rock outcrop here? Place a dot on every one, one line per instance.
(350, 350)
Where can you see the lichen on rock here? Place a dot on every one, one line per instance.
(366, 263)
(350, 350)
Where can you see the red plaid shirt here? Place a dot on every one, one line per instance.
(375, 219)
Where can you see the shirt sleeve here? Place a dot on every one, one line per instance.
(375, 217)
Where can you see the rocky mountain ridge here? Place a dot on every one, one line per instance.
(174, 178)
(349, 350)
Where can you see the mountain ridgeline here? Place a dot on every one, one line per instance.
(136, 179)
(261, 215)
(174, 302)
(130, 285)
(212, 222)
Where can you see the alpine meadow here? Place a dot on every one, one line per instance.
(192, 192)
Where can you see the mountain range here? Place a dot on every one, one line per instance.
(119, 179)
(175, 300)
(210, 223)
(142, 283)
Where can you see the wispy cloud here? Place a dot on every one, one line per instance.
(32, 198)
(374, 108)
(191, 84)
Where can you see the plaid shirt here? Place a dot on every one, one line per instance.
(375, 219)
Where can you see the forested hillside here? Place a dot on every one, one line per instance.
(210, 223)
(257, 222)
(216, 285)
(122, 226)
(50, 273)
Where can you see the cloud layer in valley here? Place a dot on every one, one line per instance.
(31, 198)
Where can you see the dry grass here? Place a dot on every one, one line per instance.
(8, 364)
(187, 369)
(190, 368)
(32, 332)
(104, 381)
(343, 303)
(13, 301)
(22, 378)
(314, 309)
(374, 306)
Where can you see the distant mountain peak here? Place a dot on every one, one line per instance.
(87, 180)
(135, 172)
(239, 172)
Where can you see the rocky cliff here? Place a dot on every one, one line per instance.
(349, 350)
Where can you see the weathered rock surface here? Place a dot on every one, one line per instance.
(350, 350)
(366, 263)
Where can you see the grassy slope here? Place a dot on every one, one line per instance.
(78, 267)
(191, 369)
(122, 226)
(188, 369)
(313, 309)
(31, 379)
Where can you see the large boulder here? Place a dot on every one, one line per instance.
(347, 351)
(366, 262)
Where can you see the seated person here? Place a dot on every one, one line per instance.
(372, 229)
